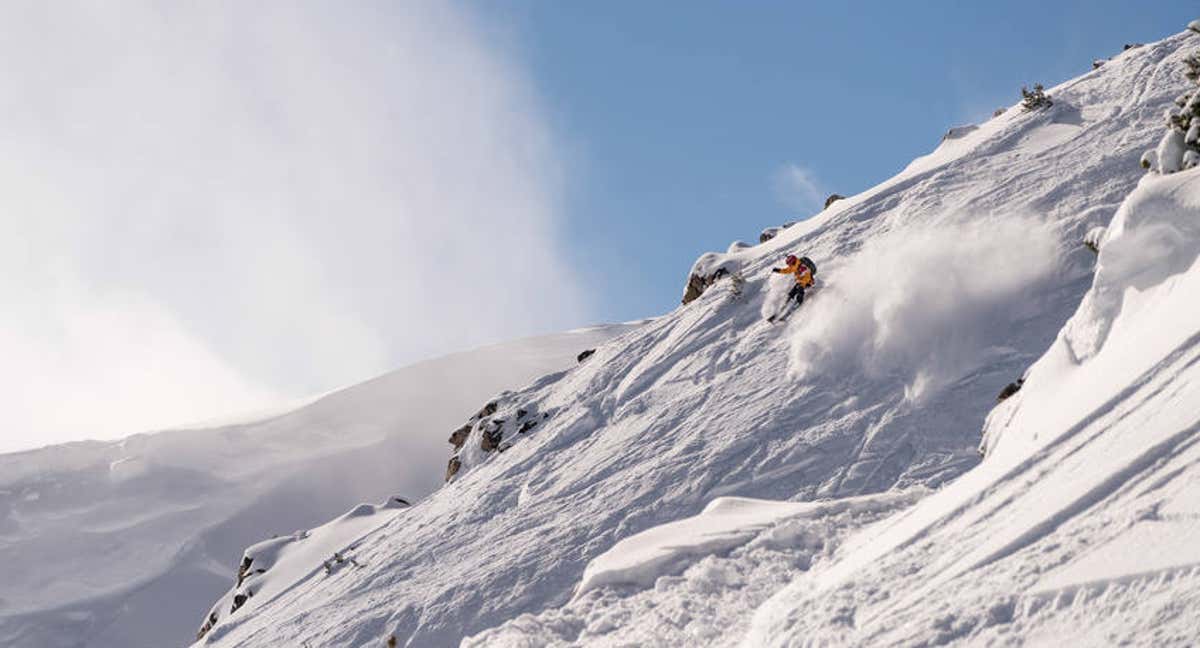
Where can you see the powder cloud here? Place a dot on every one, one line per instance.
(924, 305)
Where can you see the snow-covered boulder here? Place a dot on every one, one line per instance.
(494, 428)
(710, 268)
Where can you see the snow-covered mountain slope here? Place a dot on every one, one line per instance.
(1084, 520)
(936, 288)
(119, 544)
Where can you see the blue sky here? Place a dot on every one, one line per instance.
(679, 117)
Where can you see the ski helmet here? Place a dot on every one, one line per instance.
(791, 259)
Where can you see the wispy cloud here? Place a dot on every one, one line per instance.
(797, 189)
(211, 206)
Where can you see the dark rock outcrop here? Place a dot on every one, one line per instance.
(244, 569)
(452, 468)
(492, 436)
(1010, 389)
(1092, 239)
(710, 268)
(832, 199)
(208, 625)
(459, 436)
(496, 427)
(583, 355)
(240, 599)
(694, 288)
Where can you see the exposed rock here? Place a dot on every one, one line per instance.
(737, 246)
(208, 625)
(401, 501)
(768, 234)
(999, 111)
(244, 569)
(694, 288)
(1129, 46)
(583, 355)
(832, 199)
(499, 424)
(1098, 62)
(1035, 99)
(1010, 389)
(1093, 238)
(240, 599)
(459, 436)
(492, 436)
(710, 268)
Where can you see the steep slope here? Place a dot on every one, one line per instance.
(1084, 518)
(937, 288)
(119, 544)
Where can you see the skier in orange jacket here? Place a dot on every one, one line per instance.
(803, 269)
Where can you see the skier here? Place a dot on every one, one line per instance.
(804, 269)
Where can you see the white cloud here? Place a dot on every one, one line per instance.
(797, 188)
(212, 206)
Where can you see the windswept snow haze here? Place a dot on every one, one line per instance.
(213, 208)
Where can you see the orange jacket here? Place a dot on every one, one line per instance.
(803, 276)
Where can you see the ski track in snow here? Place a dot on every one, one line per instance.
(703, 402)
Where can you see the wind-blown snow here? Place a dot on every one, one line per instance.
(704, 403)
(925, 304)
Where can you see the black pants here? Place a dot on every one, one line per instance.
(797, 294)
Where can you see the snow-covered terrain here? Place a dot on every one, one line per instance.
(120, 544)
(637, 512)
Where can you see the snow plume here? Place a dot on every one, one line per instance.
(923, 305)
(778, 287)
(220, 205)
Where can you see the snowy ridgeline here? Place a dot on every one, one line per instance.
(937, 288)
(126, 544)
